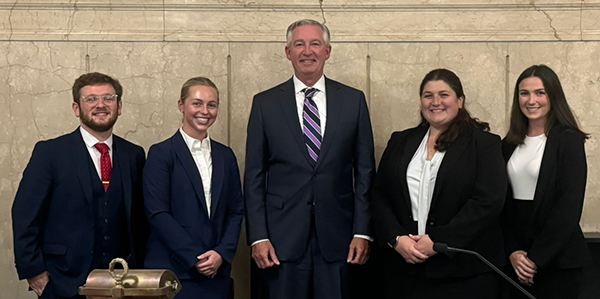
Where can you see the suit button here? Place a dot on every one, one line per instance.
(106, 238)
(105, 220)
(432, 221)
(410, 217)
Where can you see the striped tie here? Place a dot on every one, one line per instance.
(312, 124)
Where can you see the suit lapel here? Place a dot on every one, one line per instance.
(189, 165)
(121, 163)
(290, 113)
(218, 165)
(81, 159)
(453, 152)
(546, 169)
(413, 140)
(334, 104)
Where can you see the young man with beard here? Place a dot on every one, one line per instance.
(80, 204)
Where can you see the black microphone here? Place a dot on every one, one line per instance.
(444, 248)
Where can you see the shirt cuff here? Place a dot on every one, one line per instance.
(258, 241)
(395, 242)
(370, 239)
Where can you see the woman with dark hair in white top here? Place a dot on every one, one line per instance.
(547, 170)
(442, 181)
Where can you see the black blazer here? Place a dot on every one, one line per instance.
(53, 216)
(554, 233)
(467, 201)
(281, 182)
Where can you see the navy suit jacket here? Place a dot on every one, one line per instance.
(280, 181)
(177, 211)
(53, 216)
(554, 234)
(467, 200)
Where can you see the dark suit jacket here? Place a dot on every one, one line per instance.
(53, 211)
(467, 200)
(554, 234)
(280, 180)
(177, 211)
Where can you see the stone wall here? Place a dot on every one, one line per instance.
(383, 47)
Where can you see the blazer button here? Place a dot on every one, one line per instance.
(410, 217)
(432, 221)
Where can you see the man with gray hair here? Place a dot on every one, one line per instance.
(309, 165)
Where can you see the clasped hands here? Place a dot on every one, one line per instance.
(208, 263)
(415, 249)
(523, 266)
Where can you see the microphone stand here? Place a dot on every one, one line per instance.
(443, 248)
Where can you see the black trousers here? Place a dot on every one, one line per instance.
(550, 284)
(404, 286)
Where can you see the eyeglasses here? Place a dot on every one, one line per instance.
(107, 98)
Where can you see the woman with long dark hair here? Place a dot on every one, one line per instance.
(547, 170)
(442, 181)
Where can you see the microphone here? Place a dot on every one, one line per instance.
(444, 248)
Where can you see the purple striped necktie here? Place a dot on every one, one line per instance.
(312, 124)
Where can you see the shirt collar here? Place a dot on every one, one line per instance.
(299, 86)
(90, 140)
(191, 141)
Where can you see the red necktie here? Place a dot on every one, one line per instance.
(105, 166)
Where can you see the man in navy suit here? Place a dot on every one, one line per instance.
(79, 204)
(309, 165)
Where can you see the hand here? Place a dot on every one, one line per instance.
(406, 248)
(359, 251)
(424, 245)
(524, 267)
(38, 283)
(264, 255)
(208, 263)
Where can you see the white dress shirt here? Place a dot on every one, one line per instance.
(421, 176)
(95, 154)
(524, 166)
(201, 152)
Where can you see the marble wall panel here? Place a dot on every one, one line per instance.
(35, 100)
(80, 24)
(240, 21)
(580, 80)
(152, 75)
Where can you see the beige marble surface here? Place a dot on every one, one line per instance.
(381, 47)
(263, 21)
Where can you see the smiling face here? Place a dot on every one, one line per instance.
(534, 101)
(439, 104)
(308, 52)
(99, 116)
(199, 110)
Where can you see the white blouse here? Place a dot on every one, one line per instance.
(421, 175)
(524, 166)
(201, 152)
